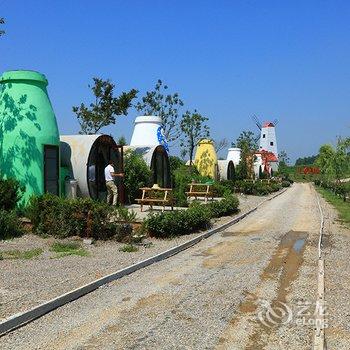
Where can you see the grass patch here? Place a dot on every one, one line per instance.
(342, 207)
(128, 248)
(18, 254)
(70, 248)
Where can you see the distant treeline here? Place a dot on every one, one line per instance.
(306, 160)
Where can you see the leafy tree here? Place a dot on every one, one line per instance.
(334, 162)
(121, 141)
(106, 107)
(158, 102)
(283, 158)
(2, 21)
(137, 174)
(193, 129)
(325, 161)
(247, 142)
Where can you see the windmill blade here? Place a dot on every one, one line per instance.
(257, 121)
(275, 122)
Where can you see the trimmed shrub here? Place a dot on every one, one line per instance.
(10, 193)
(178, 222)
(226, 206)
(182, 222)
(9, 225)
(60, 217)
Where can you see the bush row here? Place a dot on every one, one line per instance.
(197, 217)
(257, 188)
(61, 217)
(341, 189)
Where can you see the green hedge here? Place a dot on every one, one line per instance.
(61, 217)
(197, 217)
(257, 188)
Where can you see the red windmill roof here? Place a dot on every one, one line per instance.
(268, 125)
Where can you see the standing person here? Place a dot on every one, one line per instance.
(112, 190)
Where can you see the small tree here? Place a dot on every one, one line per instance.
(193, 129)
(105, 109)
(2, 21)
(121, 141)
(283, 158)
(166, 106)
(334, 162)
(283, 162)
(137, 174)
(247, 142)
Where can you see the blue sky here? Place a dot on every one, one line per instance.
(229, 59)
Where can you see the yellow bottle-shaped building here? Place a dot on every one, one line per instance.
(206, 160)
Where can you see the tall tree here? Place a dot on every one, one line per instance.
(283, 158)
(2, 21)
(106, 107)
(193, 129)
(334, 162)
(283, 162)
(158, 102)
(247, 142)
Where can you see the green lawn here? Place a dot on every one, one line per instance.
(17, 254)
(342, 207)
(70, 248)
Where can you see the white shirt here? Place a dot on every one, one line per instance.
(108, 170)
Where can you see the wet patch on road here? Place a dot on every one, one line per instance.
(283, 267)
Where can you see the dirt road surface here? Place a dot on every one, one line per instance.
(252, 286)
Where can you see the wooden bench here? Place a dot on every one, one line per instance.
(156, 196)
(196, 190)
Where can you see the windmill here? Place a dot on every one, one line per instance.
(267, 135)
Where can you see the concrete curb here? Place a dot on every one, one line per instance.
(20, 319)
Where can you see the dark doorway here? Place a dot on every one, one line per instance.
(103, 150)
(160, 167)
(231, 173)
(51, 169)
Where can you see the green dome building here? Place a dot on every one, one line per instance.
(29, 138)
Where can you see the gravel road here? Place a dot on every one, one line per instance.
(26, 283)
(207, 297)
